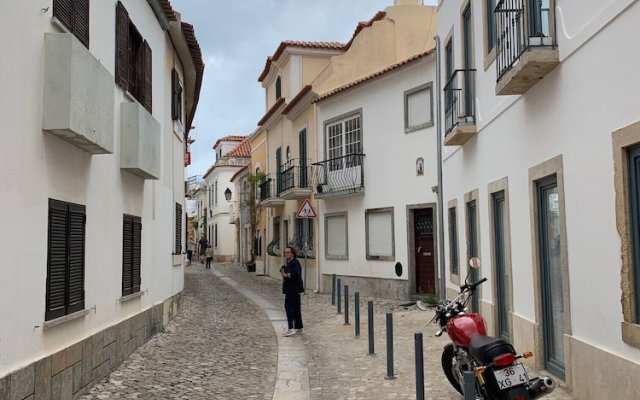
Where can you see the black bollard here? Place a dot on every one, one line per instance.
(339, 311)
(419, 366)
(333, 289)
(469, 386)
(370, 317)
(357, 310)
(389, 346)
(346, 304)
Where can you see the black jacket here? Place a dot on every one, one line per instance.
(294, 284)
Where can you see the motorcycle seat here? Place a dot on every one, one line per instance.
(486, 348)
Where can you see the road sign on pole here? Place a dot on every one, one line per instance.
(306, 211)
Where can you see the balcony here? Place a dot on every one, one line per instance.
(139, 141)
(340, 176)
(459, 109)
(273, 249)
(294, 180)
(526, 47)
(298, 243)
(268, 191)
(78, 97)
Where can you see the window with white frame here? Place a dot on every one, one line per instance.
(344, 138)
(336, 242)
(418, 108)
(379, 231)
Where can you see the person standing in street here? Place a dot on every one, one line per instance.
(292, 287)
(209, 256)
(203, 242)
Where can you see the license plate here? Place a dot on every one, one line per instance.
(511, 376)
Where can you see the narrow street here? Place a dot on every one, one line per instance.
(223, 346)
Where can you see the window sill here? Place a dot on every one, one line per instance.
(631, 334)
(409, 129)
(131, 296)
(61, 320)
(335, 257)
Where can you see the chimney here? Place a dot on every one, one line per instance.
(408, 2)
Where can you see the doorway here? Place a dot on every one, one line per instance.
(424, 251)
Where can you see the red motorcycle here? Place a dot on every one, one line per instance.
(498, 373)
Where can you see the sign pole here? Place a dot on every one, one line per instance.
(305, 212)
(305, 232)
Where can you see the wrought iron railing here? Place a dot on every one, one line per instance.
(273, 249)
(267, 187)
(294, 174)
(340, 175)
(459, 97)
(298, 243)
(520, 25)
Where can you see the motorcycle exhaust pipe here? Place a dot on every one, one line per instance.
(539, 387)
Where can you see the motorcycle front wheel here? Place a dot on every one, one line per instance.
(450, 367)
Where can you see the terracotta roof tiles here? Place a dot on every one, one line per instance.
(293, 43)
(229, 138)
(241, 150)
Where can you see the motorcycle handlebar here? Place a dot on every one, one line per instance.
(472, 286)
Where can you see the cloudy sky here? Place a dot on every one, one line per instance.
(236, 37)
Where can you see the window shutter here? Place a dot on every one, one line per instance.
(136, 251)
(380, 234)
(81, 21)
(127, 242)
(63, 11)
(302, 139)
(56, 260)
(174, 95)
(122, 47)
(76, 257)
(178, 249)
(148, 87)
(337, 236)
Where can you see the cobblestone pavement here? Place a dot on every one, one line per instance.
(230, 351)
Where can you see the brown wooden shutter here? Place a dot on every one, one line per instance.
(127, 241)
(122, 47)
(178, 249)
(175, 86)
(63, 11)
(148, 87)
(76, 258)
(56, 260)
(136, 251)
(81, 21)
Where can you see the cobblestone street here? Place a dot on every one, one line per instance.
(223, 346)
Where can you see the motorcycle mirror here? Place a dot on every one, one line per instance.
(421, 306)
(474, 262)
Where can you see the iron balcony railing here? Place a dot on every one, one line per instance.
(273, 249)
(459, 98)
(294, 174)
(520, 25)
(267, 188)
(338, 176)
(298, 243)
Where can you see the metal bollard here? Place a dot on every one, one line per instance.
(370, 317)
(469, 385)
(389, 346)
(333, 289)
(346, 304)
(339, 311)
(357, 310)
(419, 366)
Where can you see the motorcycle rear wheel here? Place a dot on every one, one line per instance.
(450, 368)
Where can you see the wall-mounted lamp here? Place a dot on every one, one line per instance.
(227, 194)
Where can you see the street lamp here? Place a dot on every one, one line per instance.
(227, 194)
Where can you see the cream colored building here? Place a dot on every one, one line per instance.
(540, 179)
(92, 185)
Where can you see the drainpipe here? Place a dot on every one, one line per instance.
(441, 273)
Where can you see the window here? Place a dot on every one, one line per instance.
(300, 237)
(490, 27)
(278, 88)
(344, 137)
(74, 15)
(131, 249)
(133, 59)
(178, 248)
(336, 238)
(176, 96)
(215, 235)
(215, 194)
(634, 201)
(65, 259)
(380, 237)
(453, 242)
(418, 108)
(258, 244)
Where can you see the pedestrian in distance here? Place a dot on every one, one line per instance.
(203, 243)
(209, 256)
(292, 287)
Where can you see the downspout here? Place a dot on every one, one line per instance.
(441, 269)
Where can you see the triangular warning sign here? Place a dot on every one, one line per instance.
(306, 211)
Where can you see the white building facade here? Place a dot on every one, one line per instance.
(540, 180)
(377, 145)
(93, 185)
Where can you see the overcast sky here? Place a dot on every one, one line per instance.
(236, 37)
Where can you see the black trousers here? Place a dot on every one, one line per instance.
(293, 308)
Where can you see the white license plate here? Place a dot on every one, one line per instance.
(511, 376)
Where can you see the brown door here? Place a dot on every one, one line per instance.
(423, 251)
